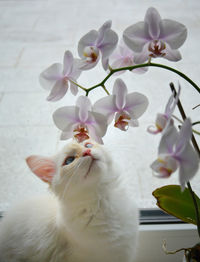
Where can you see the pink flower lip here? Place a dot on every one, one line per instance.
(81, 133)
(156, 49)
(91, 53)
(122, 121)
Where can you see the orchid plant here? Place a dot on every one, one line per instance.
(141, 43)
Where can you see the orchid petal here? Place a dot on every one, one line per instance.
(122, 121)
(98, 122)
(168, 140)
(173, 33)
(160, 124)
(75, 73)
(58, 91)
(109, 43)
(84, 105)
(119, 63)
(120, 91)
(85, 65)
(133, 123)
(67, 134)
(171, 104)
(94, 136)
(161, 171)
(189, 164)
(87, 40)
(184, 137)
(143, 56)
(161, 121)
(73, 88)
(97, 126)
(105, 63)
(121, 51)
(172, 55)
(153, 130)
(125, 62)
(102, 30)
(65, 117)
(156, 165)
(136, 36)
(124, 57)
(153, 19)
(67, 63)
(106, 106)
(50, 75)
(136, 104)
(141, 70)
(165, 165)
(168, 108)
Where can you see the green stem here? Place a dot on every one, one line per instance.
(196, 123)
(83, 88)
(195, 205)
(196, 107)
(149, 64)
(106, 90)
(178, 73)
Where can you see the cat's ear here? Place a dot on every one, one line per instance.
(43, 167)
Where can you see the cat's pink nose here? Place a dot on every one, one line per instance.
(87, 152)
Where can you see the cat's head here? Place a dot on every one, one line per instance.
(77, 167)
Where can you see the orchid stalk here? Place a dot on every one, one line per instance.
(149, 64)
(132, 68)
(181, 110)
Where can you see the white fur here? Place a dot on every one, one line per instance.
(91, 216)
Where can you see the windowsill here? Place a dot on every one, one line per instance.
(176, 236)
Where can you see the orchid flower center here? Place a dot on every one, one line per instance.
(166, 172)
(91, 53)
(168, 165)
(65, 81)
(81, 133)
(122, 121)
(161, 122)
(156, 48)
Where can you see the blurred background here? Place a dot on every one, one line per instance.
(35, 34)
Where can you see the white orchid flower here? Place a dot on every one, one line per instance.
(95, 44)
(155, 37)
(126, 108)
(176, 152)
(80, 121)
(58, 77)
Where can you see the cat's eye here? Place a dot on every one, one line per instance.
(88, 145)
(68, 160)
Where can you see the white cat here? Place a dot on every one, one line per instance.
(89, 217)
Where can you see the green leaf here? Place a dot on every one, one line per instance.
(177, 203)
